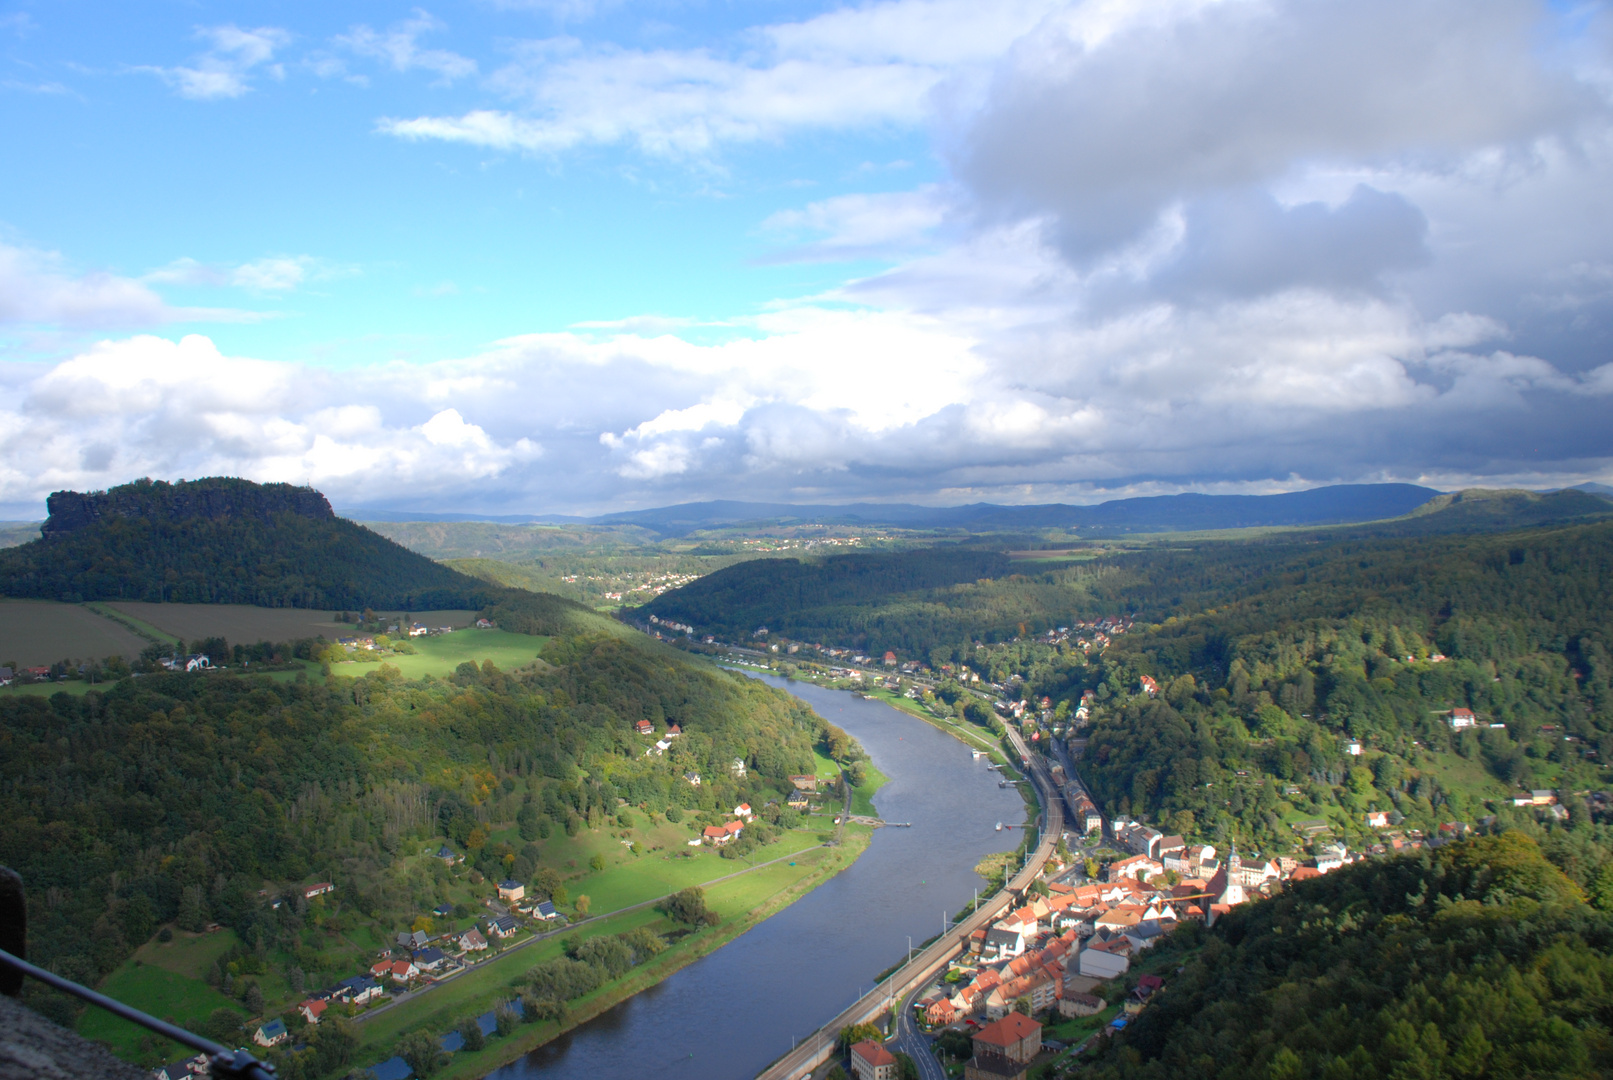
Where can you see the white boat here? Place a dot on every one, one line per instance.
(999, 826)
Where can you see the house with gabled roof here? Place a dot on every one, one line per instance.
(271, 1034)
(871, 1061)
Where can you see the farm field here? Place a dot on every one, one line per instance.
(243, 624)
(38, 632)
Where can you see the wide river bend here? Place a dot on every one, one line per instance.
(731, 1013)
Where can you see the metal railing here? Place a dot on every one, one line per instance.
(222, 1061)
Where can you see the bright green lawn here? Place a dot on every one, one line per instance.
(162, 993)
(441, 654)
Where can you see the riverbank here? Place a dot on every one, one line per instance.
(741, 900)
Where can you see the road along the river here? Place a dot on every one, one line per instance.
(820, 1045)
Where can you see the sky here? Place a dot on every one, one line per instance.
(575, 256)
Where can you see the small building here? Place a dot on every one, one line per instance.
(1104, 960)
(693, 778)
(737, 768)
(797, 800)
(446, 854)
(1074, 1004)
(403, 970)
(1353, 748)
(545, 910)
(743, 810)
(360, 989)
(271, 1034)
(472, 941)
(1147, 685)
(511, 891)
(871, 1061)
(416, 940)
(644, 727)
(1004, 1049)
(312, 1010)
(1462, 718)
(890, 659)
(805, 783)
(1378, 819)
(502, 927)
(317, 889)
(430, 959)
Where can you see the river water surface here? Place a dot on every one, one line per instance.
(730, 1014)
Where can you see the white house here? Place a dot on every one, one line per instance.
(1462, 718)
(1096, 962)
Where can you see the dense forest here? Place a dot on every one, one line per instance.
(1477, 960)
(179, 796)
(934, 603)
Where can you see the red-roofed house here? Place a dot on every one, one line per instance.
(644, 727)
(312, 1010)
(1004, 1048)
(871, 1061)
(716, 834)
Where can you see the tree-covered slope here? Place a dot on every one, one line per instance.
(1477, 960)
(832, 599)
(183, 795)
(222, 541)
(229, 541)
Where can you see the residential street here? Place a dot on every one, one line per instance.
(913, 1043)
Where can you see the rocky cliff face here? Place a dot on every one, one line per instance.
(214, 499)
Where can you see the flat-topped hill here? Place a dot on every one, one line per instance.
(224, 540)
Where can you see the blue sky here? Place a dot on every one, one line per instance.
(579, 255)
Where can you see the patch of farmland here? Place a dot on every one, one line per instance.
(39, 632)
(245, 625)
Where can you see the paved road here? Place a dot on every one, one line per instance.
(932, 960)
(914, 1043)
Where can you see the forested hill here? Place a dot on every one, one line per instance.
(838, 599)
(180, 796)
(1477, 960)
(230, 541)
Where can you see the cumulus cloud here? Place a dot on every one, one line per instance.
(225, 69)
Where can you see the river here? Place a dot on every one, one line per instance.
(731, 1013)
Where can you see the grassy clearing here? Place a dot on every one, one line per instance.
(440, 654)
(39, 632)
(158, 990)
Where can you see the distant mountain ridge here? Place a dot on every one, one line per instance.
(1335, 505)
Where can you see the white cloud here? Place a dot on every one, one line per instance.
(859, 226)
(224, 70)
(854, 68)
(399, 47)
(37, 288)
(270, 274)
